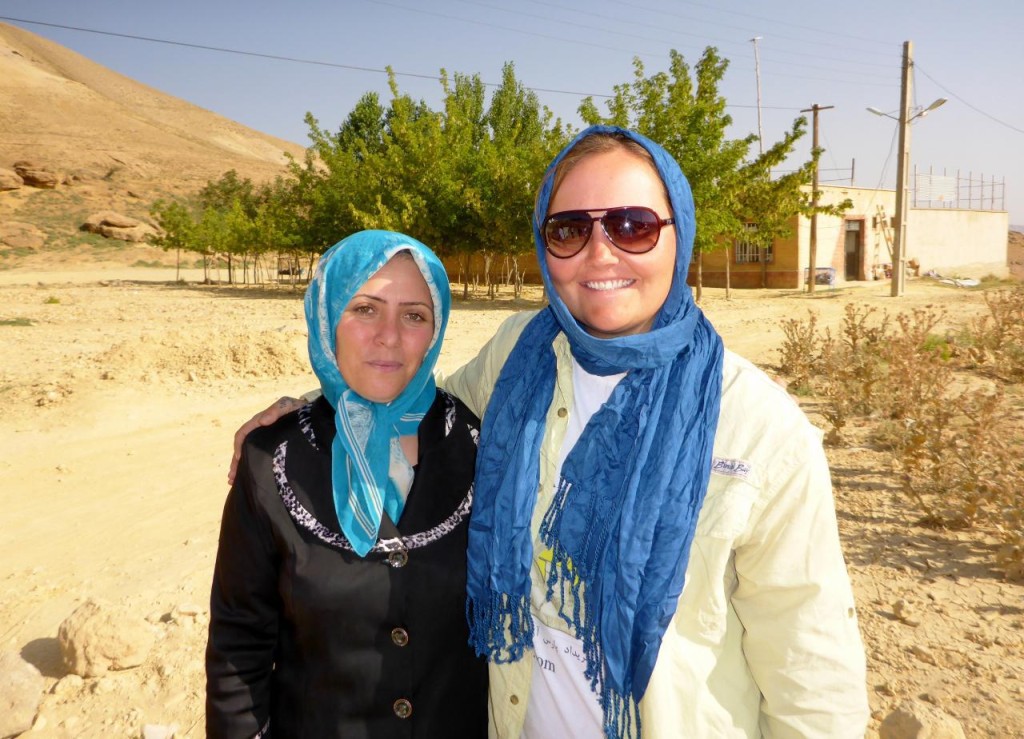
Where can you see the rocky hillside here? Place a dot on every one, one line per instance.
(79, 139)
(1015, 254)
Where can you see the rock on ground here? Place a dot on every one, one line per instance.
(21, 690)
(918, 720)
(98, 637)
(19, 235)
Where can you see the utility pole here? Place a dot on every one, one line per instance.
(813, 258)
(760, 147)
(757, 76)
(899, 249)
(907, 116)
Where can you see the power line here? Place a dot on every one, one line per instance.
(633, 24)
(561, 39)
(278, 57)
(972, 107)
(829, 34)
(221, 49)
(315, 62)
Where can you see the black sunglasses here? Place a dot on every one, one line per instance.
(633, 228)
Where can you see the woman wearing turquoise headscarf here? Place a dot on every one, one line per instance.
(338, 602)
(653, 549)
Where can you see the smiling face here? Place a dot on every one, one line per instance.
(385, 331)
(610, 292)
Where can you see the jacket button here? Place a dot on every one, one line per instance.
(562, 412)
(514, 700)
(402, 708)
(399, 558)
(399, 636)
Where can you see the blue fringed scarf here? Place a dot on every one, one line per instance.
(361, 450)
(625, 511)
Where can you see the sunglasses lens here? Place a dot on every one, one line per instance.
(566, 233)
(633, 229)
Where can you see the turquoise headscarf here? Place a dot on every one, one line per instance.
(361, 450)
(625, 510)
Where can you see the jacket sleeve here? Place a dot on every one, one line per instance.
(794, 598)
(244, 612)
(474, 382)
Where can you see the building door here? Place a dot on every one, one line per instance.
(854, 250)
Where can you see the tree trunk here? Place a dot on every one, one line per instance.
(728, 274)
(488, 261)
(700, 276)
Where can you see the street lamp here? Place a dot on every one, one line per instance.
(899, 248)
(921, 112)
(899, 251)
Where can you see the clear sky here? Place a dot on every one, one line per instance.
(845, 55)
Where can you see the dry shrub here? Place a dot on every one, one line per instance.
(957, 447)
(800, 350)
(918, 372)
(844, 369)
(995, 342)
(960, 461)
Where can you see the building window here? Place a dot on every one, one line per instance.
(748, 252)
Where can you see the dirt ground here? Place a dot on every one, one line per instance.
(121, 390)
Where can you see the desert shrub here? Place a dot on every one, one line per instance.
(995, 342)
(850, 368)
(1011, 554)
(800, 350)
(915, 368)
(955, 443)
(959, 460)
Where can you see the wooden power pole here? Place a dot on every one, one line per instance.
(813, 257)
(899, 247)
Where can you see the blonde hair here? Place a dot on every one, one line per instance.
(597, 143)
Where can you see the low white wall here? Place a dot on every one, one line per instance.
(959, 243)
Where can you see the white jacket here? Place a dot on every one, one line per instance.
(765, 640)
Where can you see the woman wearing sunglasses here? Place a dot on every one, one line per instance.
(653, 549)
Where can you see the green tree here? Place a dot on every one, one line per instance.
(329, 185)
(177, 229)
(461, 179)
(221, 194)
(233, 198)
(524, 138)
(214, 235)
(684, 112)
(275, 227)
(459, 196)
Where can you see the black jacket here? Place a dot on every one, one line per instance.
(323, 643)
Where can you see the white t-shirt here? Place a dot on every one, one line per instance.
(561, 702)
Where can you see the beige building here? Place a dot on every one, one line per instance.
(954, 242)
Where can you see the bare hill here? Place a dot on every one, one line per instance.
(1015, 254)
(111, 142)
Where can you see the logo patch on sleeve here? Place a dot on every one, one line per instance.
(730, 467)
